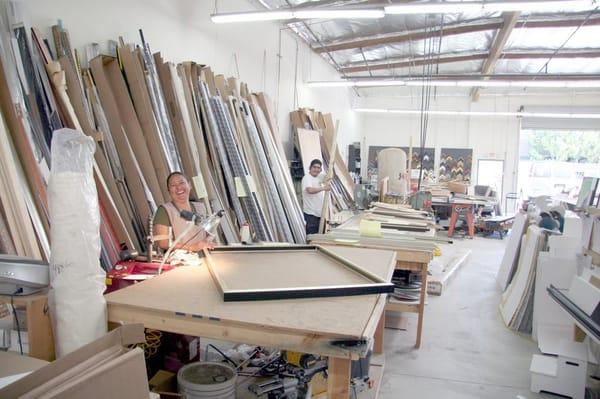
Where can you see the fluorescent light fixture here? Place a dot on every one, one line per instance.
(367, 83)
(365, 13)
(428, 7)
(434, 7)
(308, 13)
(564, 84)
(478, 113)
(333, 83)
(251, 16)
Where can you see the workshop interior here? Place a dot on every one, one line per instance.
(289, 199)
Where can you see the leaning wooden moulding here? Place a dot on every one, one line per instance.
(272, 272)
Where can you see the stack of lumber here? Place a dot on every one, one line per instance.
(314, 134)
(389, 231)
(149, 117)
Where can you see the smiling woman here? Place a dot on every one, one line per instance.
(169, 223)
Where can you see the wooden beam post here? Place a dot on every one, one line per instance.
(510, 20)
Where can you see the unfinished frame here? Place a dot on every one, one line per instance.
(375, 285)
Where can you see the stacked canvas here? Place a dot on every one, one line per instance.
(149, 118)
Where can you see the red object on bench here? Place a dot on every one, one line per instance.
(123, 273)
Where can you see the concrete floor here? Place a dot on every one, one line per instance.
(466, 350)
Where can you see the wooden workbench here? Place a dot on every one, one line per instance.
(39, 327)
(186, 301)
(412, 260)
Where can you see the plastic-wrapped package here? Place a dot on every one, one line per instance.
(77, 282)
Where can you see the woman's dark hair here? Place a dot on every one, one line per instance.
(315, 162)
(176, 173)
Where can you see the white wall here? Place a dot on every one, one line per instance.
(182, 31)
(489, 137)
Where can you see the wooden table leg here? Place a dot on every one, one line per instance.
(39, 329)
(378, 337)
(421, 303)
(453, 219)
(338, 378)
(471, 222)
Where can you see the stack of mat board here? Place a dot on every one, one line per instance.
(516, 305)
(149, 117)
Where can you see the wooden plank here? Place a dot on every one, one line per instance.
(133, 129)
(16, 127)
(438, 281)
(107, 192)
(22, 238)
(232, 332)
(497, 46)
(402, 307)
(41, 342)
(140, 96)
(7, 245)
(310, 147)
(341, 169)
(185, 73)
(379, 333)
(128, 160)
(115, 185)
(325, 210)
(338, 378)
(175, 115)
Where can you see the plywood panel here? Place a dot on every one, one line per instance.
(309, 143)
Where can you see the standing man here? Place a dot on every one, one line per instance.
(313, 193)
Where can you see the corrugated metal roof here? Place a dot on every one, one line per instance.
(394, 45)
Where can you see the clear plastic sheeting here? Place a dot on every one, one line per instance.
(77, 282)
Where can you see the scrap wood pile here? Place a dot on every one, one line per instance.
(314, 134)
(149, 118)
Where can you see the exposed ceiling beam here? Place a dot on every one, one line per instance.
(407, 36)
(450, 30)
(497, 46)
(413, 62)
(444, 59)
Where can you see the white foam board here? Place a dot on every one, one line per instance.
(557, 271)
(511, 253)
(584, 295)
